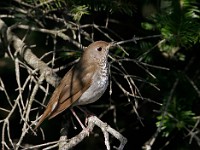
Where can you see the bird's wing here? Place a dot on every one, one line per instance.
(68, 91)
(73, 90)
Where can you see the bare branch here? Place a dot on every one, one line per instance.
(29, 57)
(105, 128)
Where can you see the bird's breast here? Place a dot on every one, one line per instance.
(95, 91)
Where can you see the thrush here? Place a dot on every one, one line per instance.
(84, 83)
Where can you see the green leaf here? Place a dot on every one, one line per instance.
(79, 11)
(148, 26)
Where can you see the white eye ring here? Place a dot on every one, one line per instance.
(99, 48)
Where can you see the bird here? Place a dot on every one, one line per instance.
(83, 84)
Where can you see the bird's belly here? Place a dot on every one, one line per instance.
(94, 92)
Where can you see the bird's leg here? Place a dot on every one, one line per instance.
(86, 112)
(77, 118)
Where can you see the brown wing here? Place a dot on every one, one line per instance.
(73, 91)
(71, 87)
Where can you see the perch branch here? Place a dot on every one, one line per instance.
(105, 128)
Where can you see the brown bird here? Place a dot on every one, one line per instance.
(84, 83)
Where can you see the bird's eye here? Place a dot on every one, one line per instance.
(99, 48)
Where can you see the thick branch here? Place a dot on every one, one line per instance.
(28, 56)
